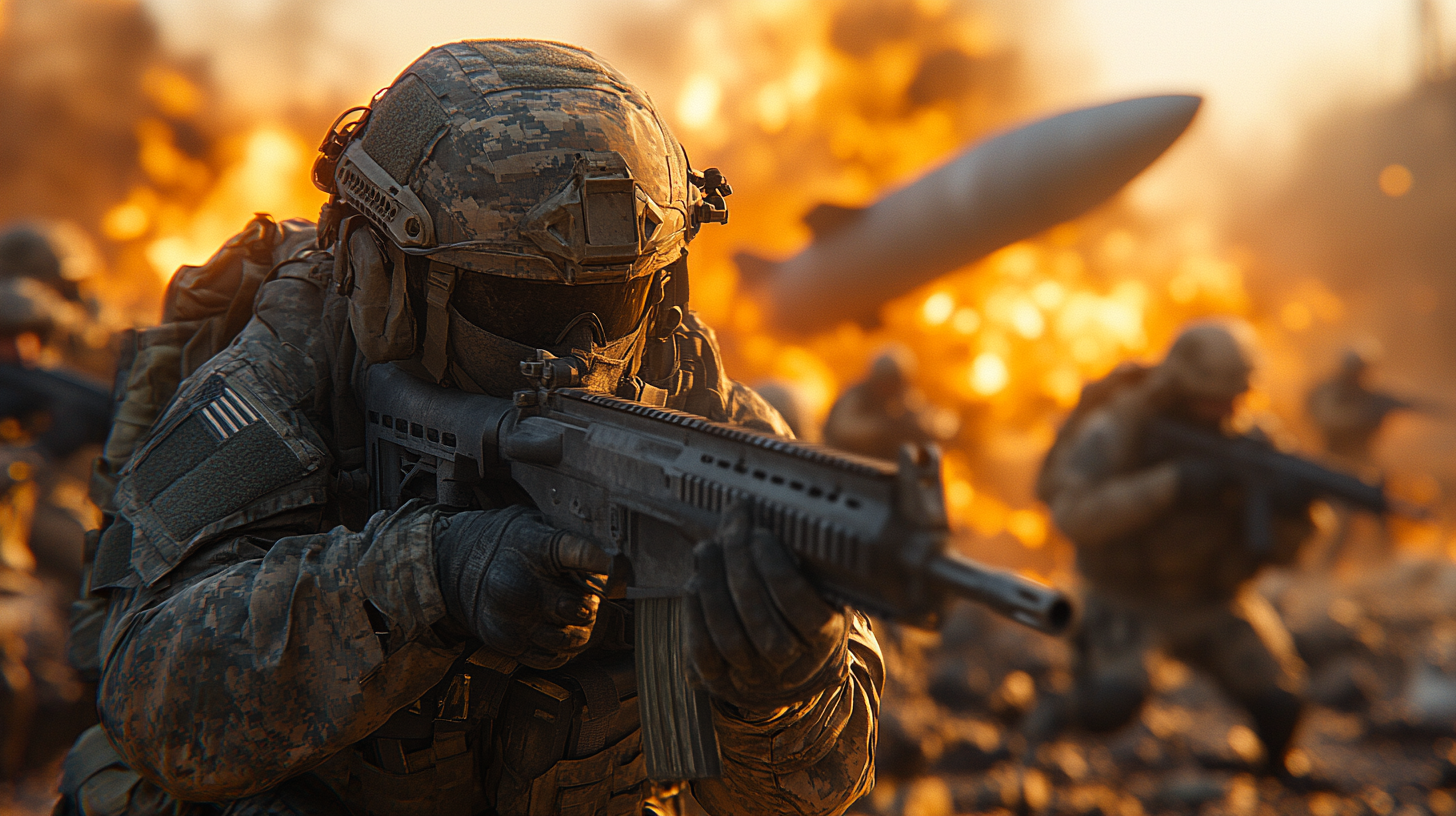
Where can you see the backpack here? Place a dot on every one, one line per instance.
(1094, 395)
(203, 309)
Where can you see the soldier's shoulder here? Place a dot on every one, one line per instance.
(741, 405)
(233, 448)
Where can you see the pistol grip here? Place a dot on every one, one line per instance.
(677, 719)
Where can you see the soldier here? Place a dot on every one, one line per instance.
(271, 647)
(43, 467)
(1161, 543)
(54, 421)
(26, 253)
(1349, 413)
(875, 417)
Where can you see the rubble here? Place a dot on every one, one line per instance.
(1379, 736)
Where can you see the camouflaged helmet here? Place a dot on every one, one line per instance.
(1210, 360)
(25, 252)
(28, 306)
(531, 188)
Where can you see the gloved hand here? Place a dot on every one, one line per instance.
(759, 636)
(524, 588)
(1201, 480)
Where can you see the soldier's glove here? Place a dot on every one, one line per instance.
(1201, 481)
(759, 636)
(524, 588)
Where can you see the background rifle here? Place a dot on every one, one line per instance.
(1262, 471)
(648, 483)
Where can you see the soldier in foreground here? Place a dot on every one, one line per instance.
(1163, 543)
(271, 647)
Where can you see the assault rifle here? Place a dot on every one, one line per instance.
(1262, 471)
(648, 483)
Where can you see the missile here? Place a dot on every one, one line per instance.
(1001, 190)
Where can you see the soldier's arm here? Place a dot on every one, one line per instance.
(240, 644)
(249, 665)
(816, 757)
(1091, 502)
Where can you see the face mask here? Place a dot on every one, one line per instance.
(487, 363)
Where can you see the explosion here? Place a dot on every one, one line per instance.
(842, 102)
(801, 104)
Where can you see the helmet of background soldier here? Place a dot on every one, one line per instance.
(1210, 360)
(534, 199)
(1355, 363)
(891, 372)
(26, 253)
(28, 307)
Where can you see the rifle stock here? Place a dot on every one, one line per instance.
(648, 483)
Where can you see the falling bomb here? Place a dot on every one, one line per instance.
(999, 191)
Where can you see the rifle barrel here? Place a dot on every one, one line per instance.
(1021, 599)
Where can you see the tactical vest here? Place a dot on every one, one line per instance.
(491, 737)
(494, 738)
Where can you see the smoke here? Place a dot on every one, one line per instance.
(1368, 213)
(94, 112)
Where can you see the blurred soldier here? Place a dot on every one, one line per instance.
(43, 467)
(271, 646)
(54, 422)
(886, 410)
(1161, 544)
(26, 253)
(1349, 413)
(78, 335)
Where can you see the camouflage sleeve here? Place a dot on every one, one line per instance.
(816, 757)
(1091, 500)
(745, 407)
(264, 663)
(244, 640)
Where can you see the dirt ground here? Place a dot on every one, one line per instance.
(1377, 738)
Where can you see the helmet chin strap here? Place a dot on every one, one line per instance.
(435, 351)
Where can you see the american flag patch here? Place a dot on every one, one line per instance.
(227, 414)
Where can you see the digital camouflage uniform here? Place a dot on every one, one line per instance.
(1163, 570)
(269, 645)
